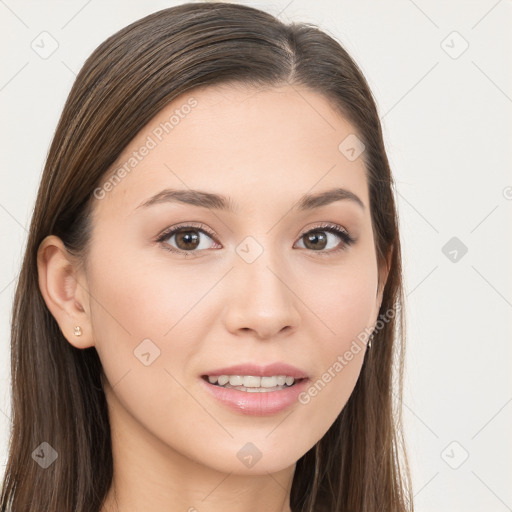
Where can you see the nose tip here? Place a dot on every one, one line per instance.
(260, 301)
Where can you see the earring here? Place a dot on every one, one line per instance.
(78, 331)
(370, 339)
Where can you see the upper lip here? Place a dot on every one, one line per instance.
(260, 371)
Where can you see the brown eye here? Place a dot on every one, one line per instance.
(190, 240)
(319, 238)
(187, 240)
(315, 240)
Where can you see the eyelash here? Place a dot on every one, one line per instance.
(347, 240)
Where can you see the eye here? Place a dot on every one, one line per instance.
(187, 237)
(317, 240)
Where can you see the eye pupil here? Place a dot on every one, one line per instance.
(187, 237)
(313, 238)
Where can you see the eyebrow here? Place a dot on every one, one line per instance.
(221, 202)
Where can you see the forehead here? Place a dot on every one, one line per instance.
(256, 145)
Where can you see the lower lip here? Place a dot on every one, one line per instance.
(262, 403)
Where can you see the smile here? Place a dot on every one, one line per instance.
(252, 383)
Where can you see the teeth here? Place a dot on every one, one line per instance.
(223, 379)
(251, 381)
(234, 380)
(269, 382)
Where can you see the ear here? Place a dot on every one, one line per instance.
(66, 297)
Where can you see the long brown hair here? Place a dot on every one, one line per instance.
(57, 395)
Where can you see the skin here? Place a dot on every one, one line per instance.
(174, 445)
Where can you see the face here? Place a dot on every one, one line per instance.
(265, 280)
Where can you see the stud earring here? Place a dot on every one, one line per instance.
(78, 331)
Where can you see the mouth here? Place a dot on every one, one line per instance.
(255, 395)
(253, 383)
(256, 390)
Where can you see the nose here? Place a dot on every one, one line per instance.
(260, 300)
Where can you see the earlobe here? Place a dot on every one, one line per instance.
(65, 296)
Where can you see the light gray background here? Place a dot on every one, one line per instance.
(446, 119)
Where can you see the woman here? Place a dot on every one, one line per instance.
(209, 308)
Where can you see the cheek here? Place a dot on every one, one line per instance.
(138, 322)
(343, 300)
(139, 312)
(138, 295)
(344, 305)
